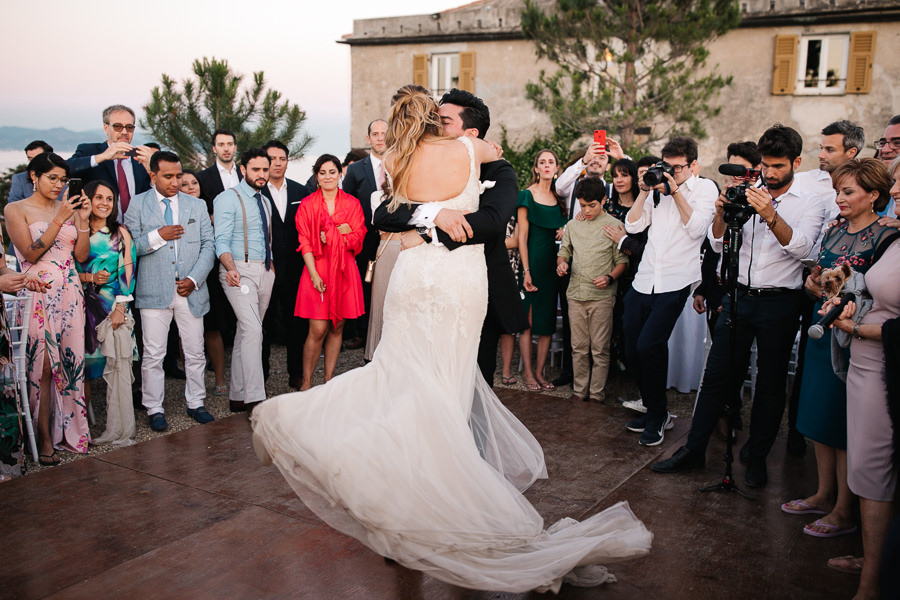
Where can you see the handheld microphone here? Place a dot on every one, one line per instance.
(818, 330)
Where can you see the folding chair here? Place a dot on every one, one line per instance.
(18, 314)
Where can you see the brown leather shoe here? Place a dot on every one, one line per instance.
(236, 406)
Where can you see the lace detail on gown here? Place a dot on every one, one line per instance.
(415, 456)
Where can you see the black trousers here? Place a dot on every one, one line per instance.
(487, 348)
(648, 322)
(280, 325)
(772, 322)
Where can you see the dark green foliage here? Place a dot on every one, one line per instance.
(183, 120)
(627, 64)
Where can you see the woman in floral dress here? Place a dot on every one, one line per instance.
(49, 237)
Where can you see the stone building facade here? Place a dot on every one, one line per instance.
(803, 63)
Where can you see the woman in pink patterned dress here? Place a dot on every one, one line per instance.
(49, 236)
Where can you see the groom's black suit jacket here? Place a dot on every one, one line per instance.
(495, 208)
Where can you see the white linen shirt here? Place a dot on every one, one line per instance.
(765, 263)
(818, 183)
(671, 259)
(279, 197)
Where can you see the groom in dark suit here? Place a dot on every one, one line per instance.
(115, 161)
(463, 113)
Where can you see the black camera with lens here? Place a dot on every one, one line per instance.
(737, 209)
(655, 175)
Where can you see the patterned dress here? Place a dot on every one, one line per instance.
(822, 408)
(57, 327)
(108, 253)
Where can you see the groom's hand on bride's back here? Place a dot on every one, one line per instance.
(453, 223)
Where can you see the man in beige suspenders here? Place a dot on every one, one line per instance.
(243, 225)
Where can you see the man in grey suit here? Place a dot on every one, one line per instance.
(20, 187)
(175, 245)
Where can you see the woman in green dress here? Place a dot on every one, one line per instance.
(107, 277)
(541, 215)
(862, 188)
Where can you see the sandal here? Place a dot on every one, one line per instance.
(50, 462)
(830, 530)
(799, 507)
(221, 390)
(533, 387)
(846, 564)
(548, 386)
(509, 380)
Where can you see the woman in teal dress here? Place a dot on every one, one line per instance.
(863, 188)
(541, 215)
(106, 276)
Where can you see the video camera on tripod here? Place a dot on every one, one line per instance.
(737, 209)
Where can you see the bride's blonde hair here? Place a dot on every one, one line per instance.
(414, 117)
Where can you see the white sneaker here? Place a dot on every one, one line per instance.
(635, 405)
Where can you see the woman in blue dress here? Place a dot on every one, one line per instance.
(862, 188)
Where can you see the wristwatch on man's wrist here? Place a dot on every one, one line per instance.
(423, 232)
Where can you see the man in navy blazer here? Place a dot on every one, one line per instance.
(175, 247)
(364, 177)
(115, 161)
(285, 195)
(19, 186)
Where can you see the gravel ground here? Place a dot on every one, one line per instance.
(618, 389)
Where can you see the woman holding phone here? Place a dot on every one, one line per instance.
(49, 236)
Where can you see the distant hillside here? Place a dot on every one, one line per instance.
(16, 138)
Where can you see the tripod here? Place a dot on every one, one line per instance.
(730, 254)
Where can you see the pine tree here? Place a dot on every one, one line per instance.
(183, 120)
(628, 64)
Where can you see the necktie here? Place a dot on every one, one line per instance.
(379, 176)
(124, 193)
(265, 228)
(168, 214)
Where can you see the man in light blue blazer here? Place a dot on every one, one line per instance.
(20, 186)
(175, 247)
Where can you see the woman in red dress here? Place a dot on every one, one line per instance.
(331, 227)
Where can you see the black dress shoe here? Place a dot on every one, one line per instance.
(757, 475)
(295, 382)
(563, 379)
(796, 444)
(744, 454)
(684, 459)
(235, 406)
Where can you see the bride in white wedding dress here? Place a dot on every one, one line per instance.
(413, 454)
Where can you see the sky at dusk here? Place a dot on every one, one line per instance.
(65, 61)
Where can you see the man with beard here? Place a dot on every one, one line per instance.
(770, 289)
(175, 248)
(243, 224)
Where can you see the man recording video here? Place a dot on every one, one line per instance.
(679, 206)
(783, 223)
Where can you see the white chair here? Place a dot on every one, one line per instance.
(18, 314)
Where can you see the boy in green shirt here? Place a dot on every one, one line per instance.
(596, 264)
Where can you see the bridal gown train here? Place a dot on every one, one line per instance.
(414, 455)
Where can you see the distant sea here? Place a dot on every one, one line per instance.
(299, 170)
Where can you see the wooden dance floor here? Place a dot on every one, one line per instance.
(194, 515)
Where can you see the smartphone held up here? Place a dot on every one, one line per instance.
(600, 138)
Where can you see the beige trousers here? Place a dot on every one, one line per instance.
(591, 324)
